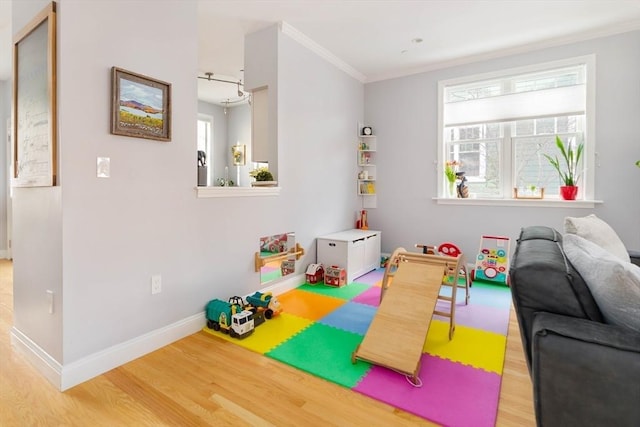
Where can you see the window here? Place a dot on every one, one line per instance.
(499, 127)
(205, 141)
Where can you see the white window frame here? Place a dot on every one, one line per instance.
(589, 153)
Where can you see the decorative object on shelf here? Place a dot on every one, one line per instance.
(140, 106)
(528, 192)
(202, 168)
(571, 154)
(239, 155)
(263, 178)
(450, 169)
(367, 131)
(362, 223)
(463, 188)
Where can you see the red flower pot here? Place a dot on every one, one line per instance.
(568, 192)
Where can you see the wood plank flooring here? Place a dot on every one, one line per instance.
(205, 381)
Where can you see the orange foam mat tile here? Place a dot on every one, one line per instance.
(308, 305)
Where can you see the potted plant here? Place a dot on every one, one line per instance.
(263, 177)
(568, 169)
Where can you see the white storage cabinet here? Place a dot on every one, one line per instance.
(357, 251)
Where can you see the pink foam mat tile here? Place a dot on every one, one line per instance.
(452, 394)
(369, 297)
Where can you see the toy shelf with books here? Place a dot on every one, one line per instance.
(366, 181)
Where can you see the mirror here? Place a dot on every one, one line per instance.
(277, 254)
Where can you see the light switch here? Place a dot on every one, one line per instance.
(104, 167)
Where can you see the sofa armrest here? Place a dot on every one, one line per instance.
(635, 257)
(584, 373)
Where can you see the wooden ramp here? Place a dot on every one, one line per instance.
(398, 331)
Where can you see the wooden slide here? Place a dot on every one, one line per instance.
(398, 331)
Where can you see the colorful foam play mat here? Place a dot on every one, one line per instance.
(321, 326)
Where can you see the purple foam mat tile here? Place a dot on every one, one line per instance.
(369, 297)
(370, 278)
(477, 316)
(451, 394)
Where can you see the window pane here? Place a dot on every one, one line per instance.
(480, 161)
(204, 129)
(532, 167)
(545, 126)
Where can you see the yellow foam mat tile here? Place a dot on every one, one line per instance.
(269, 334)
(469, 346)
(309, 305)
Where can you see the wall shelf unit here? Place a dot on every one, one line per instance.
(366, 157)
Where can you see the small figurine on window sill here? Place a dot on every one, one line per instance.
(463, 188)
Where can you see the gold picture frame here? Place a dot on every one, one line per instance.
(239, 154)
(140, 106)
(35, 116)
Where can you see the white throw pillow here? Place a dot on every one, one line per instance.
(599, 232)
(614, 284)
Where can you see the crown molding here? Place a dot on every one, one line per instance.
(321, 51)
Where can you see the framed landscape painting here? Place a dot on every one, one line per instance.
(141, 106)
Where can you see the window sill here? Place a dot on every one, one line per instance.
(208, 192)
(547, 203)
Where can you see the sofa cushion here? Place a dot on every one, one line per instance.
(597, 231)
(614, 284)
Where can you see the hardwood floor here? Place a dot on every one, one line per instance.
(204, 381)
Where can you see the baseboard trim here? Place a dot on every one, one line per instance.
(4, 254)
(40, 359)
(289, 283)
(64, 377)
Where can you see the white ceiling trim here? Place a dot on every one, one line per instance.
(558, 41)
(321, 51)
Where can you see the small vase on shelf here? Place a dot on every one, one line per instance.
(451, 190)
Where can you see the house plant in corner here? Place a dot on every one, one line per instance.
(568, 169)
(263, 178)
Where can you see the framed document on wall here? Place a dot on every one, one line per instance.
(34, 102)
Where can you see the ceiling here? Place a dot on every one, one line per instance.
(377, 39)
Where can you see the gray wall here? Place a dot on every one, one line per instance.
(403, 114)
(97, 242)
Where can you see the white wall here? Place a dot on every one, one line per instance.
(5, 114)
(403, 113)
(97, 242)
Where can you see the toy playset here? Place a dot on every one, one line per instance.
(335, 276)
(315, 273)
(492, 262)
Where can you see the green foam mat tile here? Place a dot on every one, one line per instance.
(345, 292)
(324, 351)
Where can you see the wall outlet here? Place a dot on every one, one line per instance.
(50, 300)
(156, 284)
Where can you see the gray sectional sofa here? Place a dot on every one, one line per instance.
(585, 371)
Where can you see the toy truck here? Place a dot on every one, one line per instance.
(265, 302)
(231, 318)
(257, 316)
